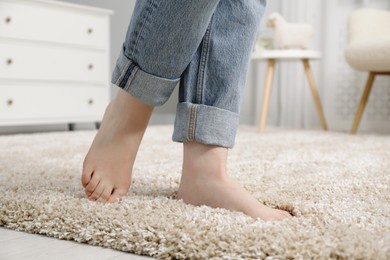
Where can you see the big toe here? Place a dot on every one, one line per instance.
(281, 214)
(86, 175)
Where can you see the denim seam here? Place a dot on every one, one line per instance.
(194, 122)
(145, 19)
(202, 64)
(130, 78)
(191, 123)
(123, 72)
(218, 126)
(127, 75)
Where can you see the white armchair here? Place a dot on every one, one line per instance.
(368, 49)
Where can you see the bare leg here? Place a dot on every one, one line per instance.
(205, 182)
(108, 165)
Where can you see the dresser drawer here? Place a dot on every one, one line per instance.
(45, 62)
(33, 20)
(22, 102)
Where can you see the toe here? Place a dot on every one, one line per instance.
(104, 197)
(92, 184)
(284, 215)
(88, 193)
(117, 195)
(98, 191)
(87, 174)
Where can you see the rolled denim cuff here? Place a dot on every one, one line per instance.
(150, 89)
(205, 124)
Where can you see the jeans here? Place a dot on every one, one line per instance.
(202, 45)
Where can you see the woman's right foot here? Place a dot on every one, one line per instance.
(205, 182)
(108, 165)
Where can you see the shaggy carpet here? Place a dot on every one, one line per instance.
(336, 185)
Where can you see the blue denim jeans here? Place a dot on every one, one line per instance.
(203, 45)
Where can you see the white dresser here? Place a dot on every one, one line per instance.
(54, 62)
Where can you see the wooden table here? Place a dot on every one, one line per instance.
(274, 55)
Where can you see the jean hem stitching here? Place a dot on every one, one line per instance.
(202, 64)
(190, 123)
(194, 122)
(186, 131)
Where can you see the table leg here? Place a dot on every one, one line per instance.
(314, 91)
(267, 93)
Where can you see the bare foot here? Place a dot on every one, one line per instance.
(205, 182)
(108, 165)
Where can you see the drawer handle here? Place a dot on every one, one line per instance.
(8, 20)
(9, 61)
(90, 30)
(10, 102)
(90, 102)
(90, 66)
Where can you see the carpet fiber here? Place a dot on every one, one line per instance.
(336, 185)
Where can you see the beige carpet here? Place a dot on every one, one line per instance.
(337, 185)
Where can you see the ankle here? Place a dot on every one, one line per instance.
(203, 173)
(204, 162)
(128, 113)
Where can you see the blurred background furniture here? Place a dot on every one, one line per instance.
(271, 56)
(54, 62)
(368, 49)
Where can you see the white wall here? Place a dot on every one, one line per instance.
(120, 20)
(344, 86)
(291, 101)
(340, 87)
(165, 114)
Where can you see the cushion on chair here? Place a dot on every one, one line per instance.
(369, 40)
(369, 56)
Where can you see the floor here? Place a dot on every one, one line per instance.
(19, 245)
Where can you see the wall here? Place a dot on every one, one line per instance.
(166, 113)
(291, 104)
(345, 85)
(119, 22)
(340, 87)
